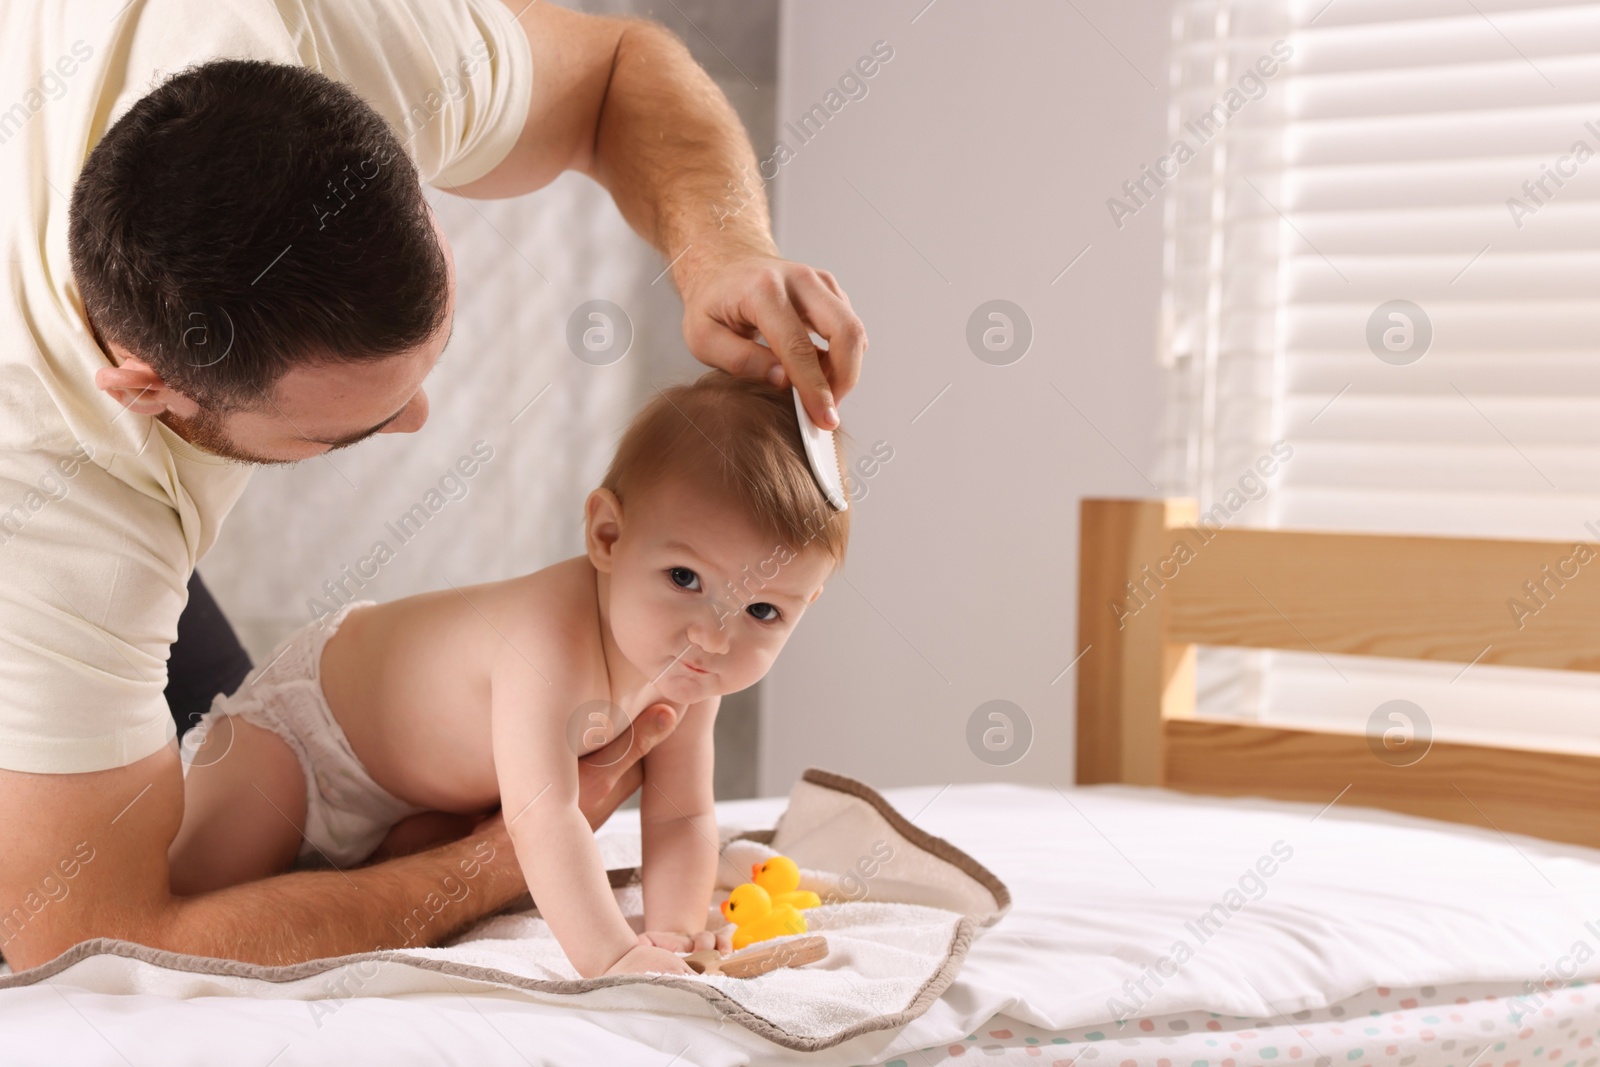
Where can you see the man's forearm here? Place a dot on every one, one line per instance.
(405, 903)
(116, 882)
(673, 153)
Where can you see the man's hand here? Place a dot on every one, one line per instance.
(610, 775)
(606, 777)
(624, 102)
(730, 297)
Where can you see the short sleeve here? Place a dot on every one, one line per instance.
(92, 581)
(453, 77)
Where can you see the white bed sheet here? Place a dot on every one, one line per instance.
(1106, 881)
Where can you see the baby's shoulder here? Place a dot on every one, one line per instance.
(554, 612)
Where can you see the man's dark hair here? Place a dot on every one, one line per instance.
(247, 217)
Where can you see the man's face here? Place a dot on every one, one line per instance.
(316, 408)
(700, 599)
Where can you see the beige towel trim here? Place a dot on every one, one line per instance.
(937, 847)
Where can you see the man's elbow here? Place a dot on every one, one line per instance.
(29, 948)
(29, 938)
(637, 33)
(20, 952)
(639, 44)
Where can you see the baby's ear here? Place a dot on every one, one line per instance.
(602, 524)
(816, 594)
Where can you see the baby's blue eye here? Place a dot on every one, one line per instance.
(684, 578)
(764, 612)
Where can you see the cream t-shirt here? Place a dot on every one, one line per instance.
(104, 513)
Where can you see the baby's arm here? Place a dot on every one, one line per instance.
(679, 825)
(538, 778)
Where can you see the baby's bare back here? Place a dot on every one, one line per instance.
(408, 681)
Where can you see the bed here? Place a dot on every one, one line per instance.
(1210, 894)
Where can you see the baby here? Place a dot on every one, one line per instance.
(705, 543)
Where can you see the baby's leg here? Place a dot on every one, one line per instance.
(244, 809)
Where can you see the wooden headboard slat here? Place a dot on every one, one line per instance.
(1515, 603)
(1545, 794)
(1125, 666)
(1153, 586)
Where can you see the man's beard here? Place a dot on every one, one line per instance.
(205, 432)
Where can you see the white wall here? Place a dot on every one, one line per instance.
(977, 167)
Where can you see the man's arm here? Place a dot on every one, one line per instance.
(85, 855)
(625, 103)
(117, 825)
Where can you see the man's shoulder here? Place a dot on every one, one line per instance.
(93, 578)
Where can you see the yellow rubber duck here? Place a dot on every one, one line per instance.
(755, 917)
(780, 877)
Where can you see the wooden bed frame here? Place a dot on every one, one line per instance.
(1144, 604)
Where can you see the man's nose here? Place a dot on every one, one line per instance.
(412, 418)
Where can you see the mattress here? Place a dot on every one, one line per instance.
(1313, 934)
(1433, 1026)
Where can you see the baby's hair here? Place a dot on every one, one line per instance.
(741, 440)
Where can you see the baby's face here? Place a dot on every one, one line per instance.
(700, 598)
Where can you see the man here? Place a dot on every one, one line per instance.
(235, 265)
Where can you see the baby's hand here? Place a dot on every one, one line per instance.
(643, 959)
(676, 941)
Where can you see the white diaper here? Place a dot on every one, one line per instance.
(347, 813)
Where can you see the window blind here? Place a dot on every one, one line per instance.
(1386, 261)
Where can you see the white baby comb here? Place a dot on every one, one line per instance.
(823, 453)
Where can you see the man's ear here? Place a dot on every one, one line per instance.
(135, 385)
(602, 525)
